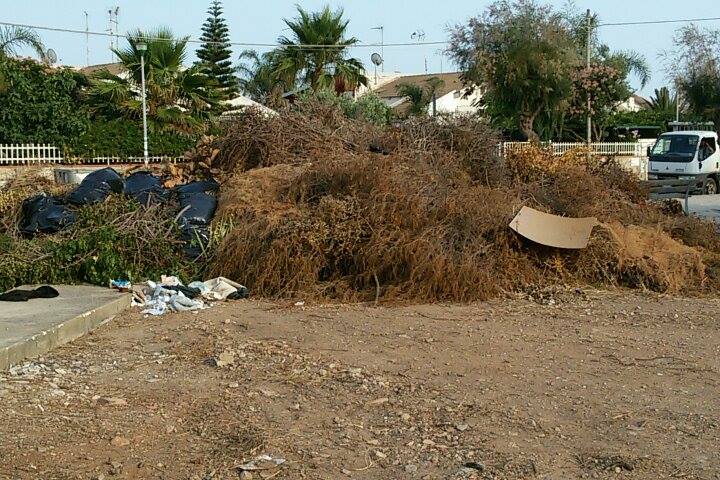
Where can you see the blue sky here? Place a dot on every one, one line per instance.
(261, 21)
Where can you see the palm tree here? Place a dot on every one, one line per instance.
(256, 79)
(418, 96)
(14, 38)
(178, 98)
(663, 101)
(318, 67)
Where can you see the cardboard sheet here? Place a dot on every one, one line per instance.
(552, 230)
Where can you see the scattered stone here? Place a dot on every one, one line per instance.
(411, 468)
(461, 427)
(347, 472)
(233, 385)
(405, 417)
(224, 359)
(475, 466)
(373, 442)
(245, 475)
(119, 441)
(380, 454)
(379, 401)
(110, 401)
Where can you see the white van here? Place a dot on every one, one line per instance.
(685, 154)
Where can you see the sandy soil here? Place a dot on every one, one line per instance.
(595, 385)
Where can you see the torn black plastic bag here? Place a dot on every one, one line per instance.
(196, 239)
(197, 209)
(145, 188)
(43, 214)
(199, 186)
(96, 187)
(196, 213)
(18, 295)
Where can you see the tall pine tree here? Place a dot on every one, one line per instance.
(215, 53)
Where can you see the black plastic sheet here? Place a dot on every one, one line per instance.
(43, 214)
(198, 186)
(196, 213)
(145, 188)
(96, 187)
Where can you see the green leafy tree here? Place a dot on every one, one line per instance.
(695, 66)
(180, 99)
(317, 67)
(523, 54)
(215, 52)
(39, 104)
(12, 39)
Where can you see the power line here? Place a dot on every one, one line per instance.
(242, 44)
(320, 46)
(658, 22)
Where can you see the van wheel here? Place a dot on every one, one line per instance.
(711, 186)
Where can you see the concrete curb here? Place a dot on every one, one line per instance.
(61, 333)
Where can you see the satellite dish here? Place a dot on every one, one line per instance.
(50, 56)
(376, 59)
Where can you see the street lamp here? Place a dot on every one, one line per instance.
(142, 48)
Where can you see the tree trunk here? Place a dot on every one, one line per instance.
(526, 127)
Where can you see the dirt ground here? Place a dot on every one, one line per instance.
(574, 385)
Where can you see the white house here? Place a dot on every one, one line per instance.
(633, 104)
(451, 95)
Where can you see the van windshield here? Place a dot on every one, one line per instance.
(675, 148)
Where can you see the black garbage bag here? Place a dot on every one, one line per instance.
(199, 186)
(197, 209)
(145, 187)
(196, 239)
(18, 295)
(43, 214)
(96, 187)
(196, 213)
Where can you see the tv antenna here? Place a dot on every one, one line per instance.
(50, 56)
(419, 35)
(382, 44)
(376, 59)
(113, 24)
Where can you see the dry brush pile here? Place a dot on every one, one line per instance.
(329, 208)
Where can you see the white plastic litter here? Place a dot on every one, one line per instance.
(159, 299)
(220, 288)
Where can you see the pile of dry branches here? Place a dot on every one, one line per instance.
(332, 208)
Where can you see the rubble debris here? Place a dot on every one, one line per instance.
(170, 295)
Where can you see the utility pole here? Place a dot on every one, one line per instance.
(87, 40)
(382, 46)
(589, 105)
(141, 47)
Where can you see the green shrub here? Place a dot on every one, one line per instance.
(124, 138)
(368, 107)
(111, 240)
(40, 104)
